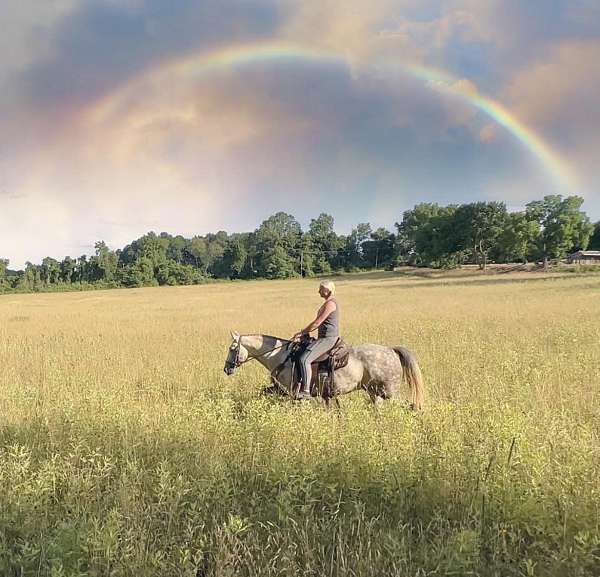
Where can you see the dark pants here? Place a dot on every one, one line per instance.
(312, 352)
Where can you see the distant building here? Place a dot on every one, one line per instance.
(585, 257)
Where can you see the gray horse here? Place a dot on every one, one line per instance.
(377, 369)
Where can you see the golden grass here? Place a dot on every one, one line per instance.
(125, 450)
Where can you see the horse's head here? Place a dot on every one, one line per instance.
(236, 355)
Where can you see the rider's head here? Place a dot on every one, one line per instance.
(326, 288)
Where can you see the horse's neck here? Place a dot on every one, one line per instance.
(268, 351)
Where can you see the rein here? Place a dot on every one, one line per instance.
(238, 363)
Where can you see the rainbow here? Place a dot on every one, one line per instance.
(557, 168)
(245, 54)
(249, 54)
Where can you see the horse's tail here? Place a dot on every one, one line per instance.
(413, 376)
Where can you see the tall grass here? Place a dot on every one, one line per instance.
(125, 450)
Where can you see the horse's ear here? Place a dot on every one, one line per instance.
(235, 335)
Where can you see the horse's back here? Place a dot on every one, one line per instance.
(380, 363)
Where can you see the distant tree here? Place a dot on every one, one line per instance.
(416, 239)
(149, 246)
(161, 272)
(311, 258)
(278, 246)
(196, 253)
(50, 270)
(517, 240)
(250, 242)
(427, 236)
(477, 227)
(104, 263)
(595, 238)
(4, 281)
(169, 272)
(3, 268)
(183, 274)
(176, 247)
(139, 273)
(354, 249)
(564, 227)
(67, 269)
(412, 225)
(276, 263)
(321, 245)
(379, 249)
(280, 229)
(81, 269)
(32, 277)
(234, 258)
(215, 249)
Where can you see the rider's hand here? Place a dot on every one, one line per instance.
(297, 336)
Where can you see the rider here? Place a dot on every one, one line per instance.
(328, 323)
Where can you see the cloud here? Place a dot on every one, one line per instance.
(558, 96)
(27, 30)
(487, 133)
(347, 27)
(226, 150)
(104, 138)
(561, 90)
(100, 44)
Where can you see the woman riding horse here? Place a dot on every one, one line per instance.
(377, 369)
(327, 322)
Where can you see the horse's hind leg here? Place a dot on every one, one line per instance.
(382, 391)
(376, 393)
(333, 401)
(377, 401)
(391, 391)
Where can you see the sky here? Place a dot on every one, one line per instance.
(118, 117)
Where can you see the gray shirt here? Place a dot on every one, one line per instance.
(330, 327)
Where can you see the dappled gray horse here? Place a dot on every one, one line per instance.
(377, 369)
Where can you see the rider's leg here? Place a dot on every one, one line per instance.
(313, 351)
(304, 389)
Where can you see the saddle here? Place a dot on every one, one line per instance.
(336, 358)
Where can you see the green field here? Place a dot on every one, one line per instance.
(125, 449)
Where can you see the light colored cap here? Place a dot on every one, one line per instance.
(328, 284)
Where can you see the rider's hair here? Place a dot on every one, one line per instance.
(328, 284)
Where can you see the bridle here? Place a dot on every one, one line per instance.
(236, 362)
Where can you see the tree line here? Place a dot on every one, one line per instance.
(428, 235)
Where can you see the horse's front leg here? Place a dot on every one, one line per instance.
(274, 390)
(315, 387)
(280, 386)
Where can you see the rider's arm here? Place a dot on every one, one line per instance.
(327, 310)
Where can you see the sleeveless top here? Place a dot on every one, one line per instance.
(330, 327)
